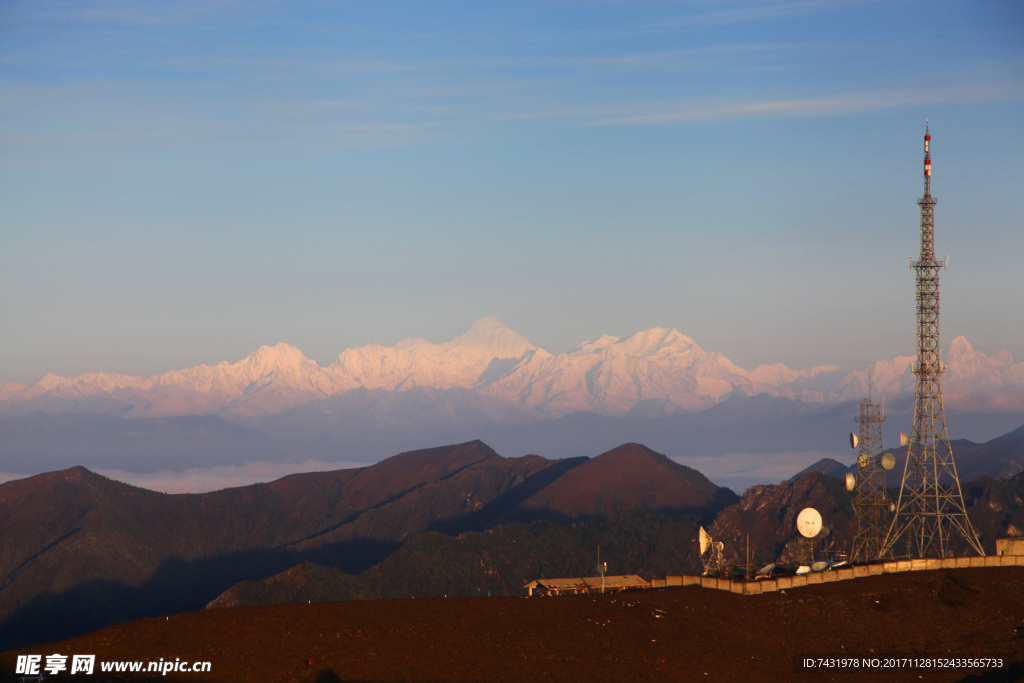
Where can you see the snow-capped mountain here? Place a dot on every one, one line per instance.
(657, 371)
(419, 363)
(972, 380)
(614, 376)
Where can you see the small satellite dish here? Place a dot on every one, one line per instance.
(766, 570)
(803, 569)
(892, 507)
(904, 439)
(862, 460)
(705, 540)
(820, 566)
(853, 440)
(888, 461)
(808, 522)
(851, 481)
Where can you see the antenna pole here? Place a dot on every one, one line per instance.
(870, 503)
(931, 503)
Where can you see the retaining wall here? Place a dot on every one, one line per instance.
(843, 573)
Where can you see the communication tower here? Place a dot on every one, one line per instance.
(931, 504)
(871, 504)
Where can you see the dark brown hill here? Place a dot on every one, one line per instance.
(498, 561)
(766, 518)
(80, 551)
(629, 478)
(680, 634)
(76, 543)
(767, 514)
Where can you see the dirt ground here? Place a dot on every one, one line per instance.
(675, 634)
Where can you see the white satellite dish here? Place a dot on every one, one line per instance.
(851, 481)
(808, 522)
(820, 566)
(803, 569)
(904, 439)
(705, 540)
(888, 461)
(892, 507)
(862, 460)
(853, 440)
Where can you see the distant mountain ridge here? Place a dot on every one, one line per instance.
(655, 372)
(80, 551)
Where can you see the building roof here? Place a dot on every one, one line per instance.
(620, 581)
(590, 583)
(562, 584)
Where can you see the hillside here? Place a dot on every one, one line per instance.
(499, 561)
(656, 635)
(502, 559)
(81, 551)
(76, 543)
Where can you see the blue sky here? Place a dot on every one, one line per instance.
(182, 182)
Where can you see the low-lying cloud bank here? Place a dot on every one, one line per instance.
(740, 471)
(206, 479)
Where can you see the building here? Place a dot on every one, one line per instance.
(1010, 546)
(589, 584)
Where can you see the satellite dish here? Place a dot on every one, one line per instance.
(820, 566)
(705, 541)
(851, 481)
(892, 507)
(802, 569)
(808, 522)
(904, 439)
(853, 440)
(862, 460)
(888, 461)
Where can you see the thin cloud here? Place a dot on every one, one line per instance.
(686, 112)
(145, 14)
(760, 11)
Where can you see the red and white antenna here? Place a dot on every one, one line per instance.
(927, 158)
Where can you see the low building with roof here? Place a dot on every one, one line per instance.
(589, 584)
(1010, 546)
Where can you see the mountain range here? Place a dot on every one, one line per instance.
(79, 551)
(657, 371)
(658, 387)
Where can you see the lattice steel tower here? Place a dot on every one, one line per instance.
(870, 503)
(931, 504)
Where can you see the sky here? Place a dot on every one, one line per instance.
(182, 182)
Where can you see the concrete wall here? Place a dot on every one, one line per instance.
(1010, 546)
(845, 573)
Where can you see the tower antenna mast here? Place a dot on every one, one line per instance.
(931, 503)
(870, 502)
